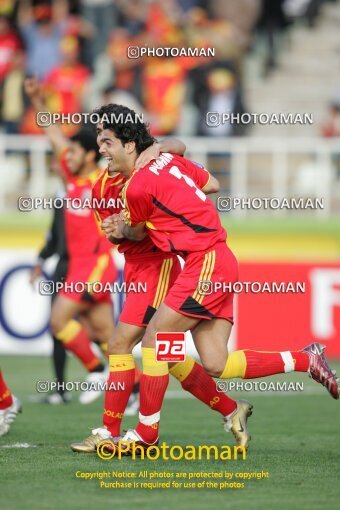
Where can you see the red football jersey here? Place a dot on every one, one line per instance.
(167, 195)
(83, 235)
(9, 44)
(107, 190)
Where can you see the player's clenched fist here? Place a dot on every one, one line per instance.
(108, 226)
(111, 227)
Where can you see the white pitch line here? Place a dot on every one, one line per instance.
(18, 445)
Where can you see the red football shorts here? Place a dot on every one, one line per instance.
(158, 272)
(204, 287)
(90, 279)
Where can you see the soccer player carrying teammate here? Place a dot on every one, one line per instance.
(90, 258)
(164, 201)
(145, 263)
(10, 406)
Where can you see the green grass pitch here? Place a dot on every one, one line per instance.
(295, 438)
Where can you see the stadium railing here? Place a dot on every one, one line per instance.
(247, 167)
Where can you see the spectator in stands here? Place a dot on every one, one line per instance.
(164, 79)
(102, 15)
(219, 93)
(331, 128)
(42, 35)
(202, 30)
(164, 88)
(307, 9)
(243, 14)
(118, 96)
(125, 71)
(132, 14)
(271, 23)
(12, 94)
(187, 5)
(64, 88)
(66, 85)
(104, 29)
(9, 44)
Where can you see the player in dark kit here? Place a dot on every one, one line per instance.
(163, 201)
(55, 245)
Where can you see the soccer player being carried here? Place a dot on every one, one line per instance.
(90, 254)
(157, 271)
(164, 201)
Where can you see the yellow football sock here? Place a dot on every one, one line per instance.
(121, 362)
(70, 331)
(236, 365)
(181, 370)
(150, 365)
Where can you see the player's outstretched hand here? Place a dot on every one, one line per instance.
(148, 155)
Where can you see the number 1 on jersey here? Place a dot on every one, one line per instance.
(174, 170)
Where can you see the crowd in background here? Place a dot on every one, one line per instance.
(78, 50)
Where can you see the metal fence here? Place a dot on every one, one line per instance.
(247, 168)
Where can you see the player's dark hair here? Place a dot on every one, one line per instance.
(126, 125)
(87, 140)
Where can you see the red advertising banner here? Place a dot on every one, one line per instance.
(302, 306)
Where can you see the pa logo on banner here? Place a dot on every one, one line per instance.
(170, 347)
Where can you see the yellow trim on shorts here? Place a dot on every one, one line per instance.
(206, 273)
(163, 282)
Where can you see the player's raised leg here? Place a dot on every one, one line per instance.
(194, 379)
(154, 383)
(248, 364)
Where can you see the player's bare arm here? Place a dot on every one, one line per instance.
(136, 233)
(212, 186)
(153, 152)
(53, 131)
(173, 145)
(116, 230)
